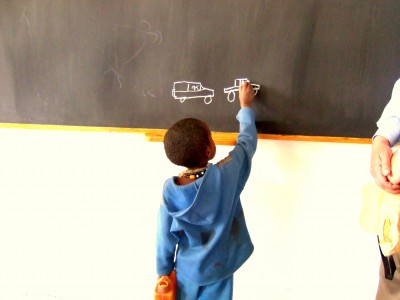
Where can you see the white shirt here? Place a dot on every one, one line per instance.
(389, 123)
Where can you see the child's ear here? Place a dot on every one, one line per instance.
(210, 152)
(207, 153)
(210, 156)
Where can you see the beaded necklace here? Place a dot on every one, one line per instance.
(194, 173)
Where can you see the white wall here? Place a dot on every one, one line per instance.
(78, 215)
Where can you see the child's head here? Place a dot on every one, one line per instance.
(189, 143)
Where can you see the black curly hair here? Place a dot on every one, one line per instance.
(186, 141)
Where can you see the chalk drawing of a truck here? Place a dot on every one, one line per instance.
(231, 90)
(183, 90)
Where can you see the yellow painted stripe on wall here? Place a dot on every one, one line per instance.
(157, 135)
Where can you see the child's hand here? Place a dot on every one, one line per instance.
(246, 94)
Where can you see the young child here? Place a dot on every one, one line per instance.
(202, 232)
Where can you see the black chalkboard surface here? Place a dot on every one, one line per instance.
(324, 67)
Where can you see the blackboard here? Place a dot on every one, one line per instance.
(325, 67)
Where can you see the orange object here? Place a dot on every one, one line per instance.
(166, 287)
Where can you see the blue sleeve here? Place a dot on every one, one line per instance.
(389, 122)
(236, 167)
(247, 139)
(166, 243)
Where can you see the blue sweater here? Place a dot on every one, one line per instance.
(204, 220)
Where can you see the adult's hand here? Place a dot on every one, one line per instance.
(381, 164)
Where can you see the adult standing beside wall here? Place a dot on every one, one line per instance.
(387, 135)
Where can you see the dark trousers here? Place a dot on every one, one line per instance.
(389, 278)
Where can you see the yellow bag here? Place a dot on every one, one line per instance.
(380, 215)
